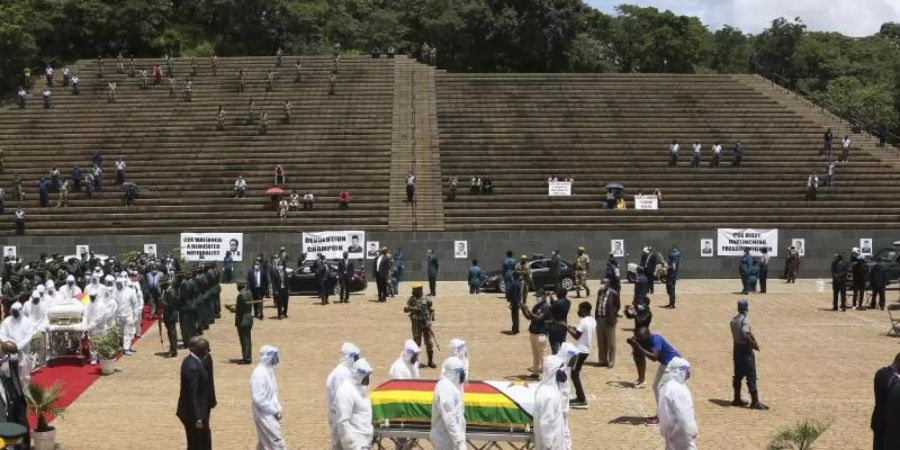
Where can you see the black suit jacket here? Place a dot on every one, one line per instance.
(345, 270)
(384, 270)
(263, 280)
(275, 276)
(198, 391)
(14, 410)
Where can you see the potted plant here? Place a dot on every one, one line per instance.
(800, 436)
(107, 346)
(41, 402)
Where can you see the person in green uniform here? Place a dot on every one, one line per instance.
(228, 269)
(243, 321)
(171, 302)
(215, 277)
(202, 301)
(421, 314)
(187, 315)
(432, 273)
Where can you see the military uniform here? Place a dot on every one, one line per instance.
(421, 314)
(187, 315)
(524, 275)
(243, 321)
(173, 304)
(582, 265)
(202, 302)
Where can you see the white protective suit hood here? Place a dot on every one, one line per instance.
(404, 368)
(264, 397)
(460, 349)
(49, 284)
(549, 420)
(353, 411)
(676, 407)
(448, 421)
(349, 354)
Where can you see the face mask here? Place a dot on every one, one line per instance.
(414, 359)
(51, 291)
(365, 381)
(70, 283)
(119, 285)
(15, 313)
(561, 376)
(93, 297)
(355, 357)
(35, 300)
(462, 376)
(275, 359)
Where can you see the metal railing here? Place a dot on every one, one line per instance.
(857, 123)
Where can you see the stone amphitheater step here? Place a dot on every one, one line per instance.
(521, 128)
(186, 167)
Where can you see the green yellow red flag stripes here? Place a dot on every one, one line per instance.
(410, 401)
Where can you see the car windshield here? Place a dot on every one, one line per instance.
(886, 254)
(539, 264)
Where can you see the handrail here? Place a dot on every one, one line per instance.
(826, 104)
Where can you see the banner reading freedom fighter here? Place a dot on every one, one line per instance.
(333, 244)
(733, 241)
(211, 246)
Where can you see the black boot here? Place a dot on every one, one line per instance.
(737, 398)
(431, 359)
(755, 403)
(587, 291)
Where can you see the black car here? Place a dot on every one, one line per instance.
(889, 259)
(540, 275)
(303, 281)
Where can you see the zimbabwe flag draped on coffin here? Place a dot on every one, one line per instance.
(489, 404)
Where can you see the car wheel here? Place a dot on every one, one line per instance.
(501, 285)
(337, 289)
(567, 283)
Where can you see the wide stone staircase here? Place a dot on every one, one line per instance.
(520, 129)
(186, 168)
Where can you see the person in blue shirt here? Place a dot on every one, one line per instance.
(509, 266)
(44, 192)
(476, 277)
(654, 347)
(744, 270)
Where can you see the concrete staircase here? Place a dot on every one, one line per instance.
(414, 147)
(186, 167)
(599, 128)
(807, 109)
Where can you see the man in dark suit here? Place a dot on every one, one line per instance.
(198, 395)
(322, 274)
(345, 274)
(556, 268)
(12, 406)
(258, 283)
(382, 271)
(280, 292)
(243, 321)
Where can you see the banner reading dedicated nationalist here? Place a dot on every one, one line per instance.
(333, 244)
(732, 241)
(211, 246)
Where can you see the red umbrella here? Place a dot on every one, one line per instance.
(275, 191)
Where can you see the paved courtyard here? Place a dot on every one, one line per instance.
(814, 363)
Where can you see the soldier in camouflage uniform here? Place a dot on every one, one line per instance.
(298, 68)
(172, 303)
(99, 67)
(145, 80)
(215, 291)
(264, 124)
(582, 265)
(171, 87)
(524, 275)
(421, 314)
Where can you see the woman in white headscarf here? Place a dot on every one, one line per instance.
(676, 407)
(406, 367)
(267, 410)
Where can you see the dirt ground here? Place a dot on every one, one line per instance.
(814, 363)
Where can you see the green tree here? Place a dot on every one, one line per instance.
(776, 47)
(728, 51)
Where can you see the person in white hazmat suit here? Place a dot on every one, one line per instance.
(93, 321)
(448, 421)
(549, 423)
(134, 282)
(349, 355)
(353, 410)
(567, 352)
(107, 299)
(267, 412)
(459, 349)
(94, 286)
(51, 295)
(126, 302)
(19, 329)
(406, 367)
(676, 407)
(36, 310)
(70, 289)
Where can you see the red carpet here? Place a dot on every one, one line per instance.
(75, 379)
